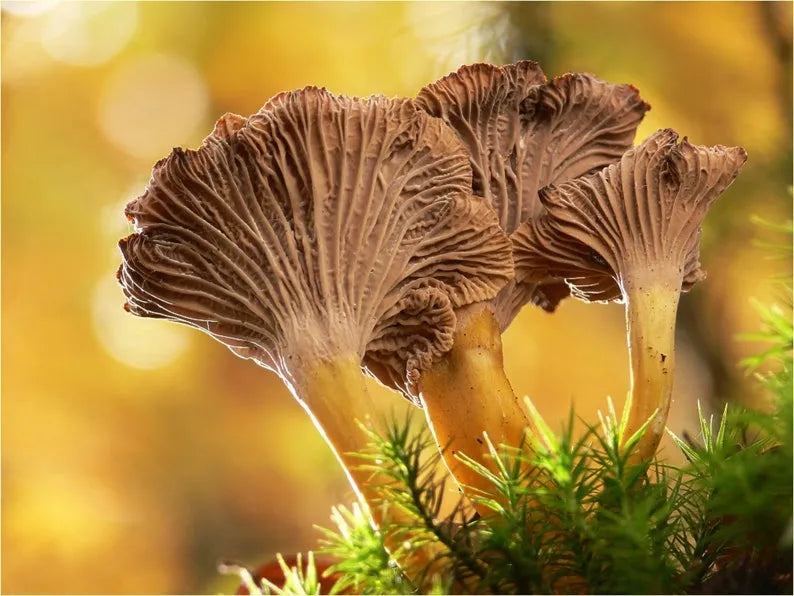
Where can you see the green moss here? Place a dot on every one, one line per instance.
(573, 515)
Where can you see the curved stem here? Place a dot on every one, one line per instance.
(650, 322)
(335, 395)
(467, 392)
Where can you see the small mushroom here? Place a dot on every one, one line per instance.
(321, 232)
(521, 133)
(631, 233)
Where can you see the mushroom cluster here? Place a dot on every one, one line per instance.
(522, 133)
(328, 237)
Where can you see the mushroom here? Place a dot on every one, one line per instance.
(631, 233)
(321, 232)
(521, 133)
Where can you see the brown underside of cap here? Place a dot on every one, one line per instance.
(523, 133)
(631, 216)
(320, 225)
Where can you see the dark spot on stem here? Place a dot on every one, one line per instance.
(664, 357)
(479, 440)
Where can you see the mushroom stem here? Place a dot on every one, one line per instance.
(334, 394)
(467, 393)
(650, 322)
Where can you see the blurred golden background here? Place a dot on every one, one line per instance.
(137, 453)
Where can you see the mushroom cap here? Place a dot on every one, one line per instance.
(632, 216)
(523, 133)
(319, 226)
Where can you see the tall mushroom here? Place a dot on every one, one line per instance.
(631, 232)
(521, 133)
(319, 232)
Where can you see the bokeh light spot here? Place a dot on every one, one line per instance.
(85, 518)
(88, 33)
(28, 8)
(136, 342)
(152, 104)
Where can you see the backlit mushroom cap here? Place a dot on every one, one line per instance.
(523, 133)
(639, 216)
(320, 225)
(541, 253)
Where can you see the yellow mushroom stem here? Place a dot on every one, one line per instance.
(335, 395)
(336, 398)
(466, 393)
(650, 320)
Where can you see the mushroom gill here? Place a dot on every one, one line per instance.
(631, 232)
(320, 233)
(521, 133)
